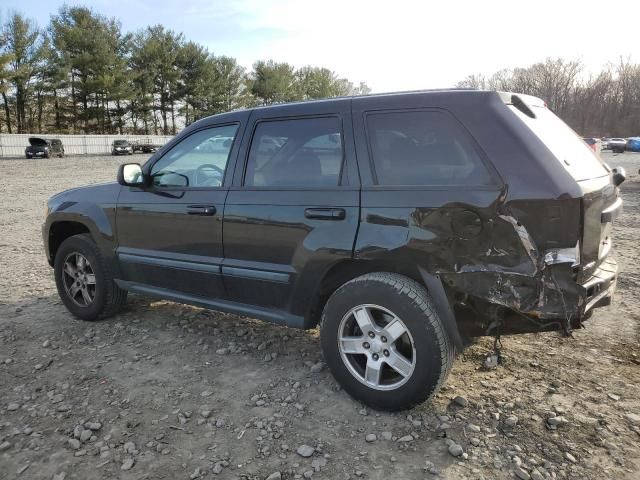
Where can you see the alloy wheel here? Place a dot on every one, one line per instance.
(79, 279)
(377, 347)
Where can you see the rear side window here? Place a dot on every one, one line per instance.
(426, 148)
(296, 153)
(565, 144)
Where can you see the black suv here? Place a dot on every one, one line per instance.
(399, 224)
(44, 148)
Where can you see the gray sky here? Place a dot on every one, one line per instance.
(392, 45)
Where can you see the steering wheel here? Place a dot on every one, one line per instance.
(201, 178)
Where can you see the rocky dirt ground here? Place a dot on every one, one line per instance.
(165, 391)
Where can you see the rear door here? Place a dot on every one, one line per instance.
(293, 210)
(427, 189)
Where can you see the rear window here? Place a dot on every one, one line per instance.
(565, 144)
(423, 148)
(296, 153)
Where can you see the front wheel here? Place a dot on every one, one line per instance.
(384, 342)
(84, 281)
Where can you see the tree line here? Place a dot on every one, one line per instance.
(606, 104)
(83, 74)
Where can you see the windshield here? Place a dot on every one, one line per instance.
(574, 154)
(120, 143)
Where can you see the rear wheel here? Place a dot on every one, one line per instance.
(384, 342)
(84, 281)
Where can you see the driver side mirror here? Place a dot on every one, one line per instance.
(130, 175)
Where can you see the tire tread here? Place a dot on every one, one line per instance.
(418, 294)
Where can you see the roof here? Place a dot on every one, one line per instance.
(369, 95)
(506, 97)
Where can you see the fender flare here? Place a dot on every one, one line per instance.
(442, 306)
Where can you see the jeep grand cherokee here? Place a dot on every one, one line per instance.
(399, 224)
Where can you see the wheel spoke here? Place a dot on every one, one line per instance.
(395, 330)
(363, 317)
(85, 295)
(80, 262)
(373, 371)
(73, 290)
(70, 270)
(91, 279)
(352, 344)
(399, 363)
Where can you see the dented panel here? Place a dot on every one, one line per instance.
(517, 257)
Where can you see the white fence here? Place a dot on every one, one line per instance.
(13, 145)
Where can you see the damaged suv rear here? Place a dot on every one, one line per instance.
(541, 260)
(400, 224)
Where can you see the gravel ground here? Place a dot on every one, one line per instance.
(166, 391)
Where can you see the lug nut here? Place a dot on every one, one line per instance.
(384, 339)
(386, 353)
(366, 345)
(375, 356)
(372, 335)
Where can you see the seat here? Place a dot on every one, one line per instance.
(303, 168)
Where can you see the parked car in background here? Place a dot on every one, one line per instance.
(605, 144)
(144, 146)
(633, 144)
(44, 148)
(121, 147)
(594, 143)
(392, 222)
(618, 145)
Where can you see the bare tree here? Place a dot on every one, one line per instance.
(604, 104)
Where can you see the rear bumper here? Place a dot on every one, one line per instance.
(553, 300)
(600, 287)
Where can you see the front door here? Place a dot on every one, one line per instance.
(170, 233)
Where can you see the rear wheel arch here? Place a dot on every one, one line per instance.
(345, 271)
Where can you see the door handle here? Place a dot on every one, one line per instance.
(205, 210)
(325, 213)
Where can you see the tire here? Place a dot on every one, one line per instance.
(107, 297)
(424, 344)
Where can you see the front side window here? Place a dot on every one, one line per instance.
(199, 160)
(295, 153)
(423, 148)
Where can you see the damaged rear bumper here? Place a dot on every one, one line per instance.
(508, 302)
(599, 288)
